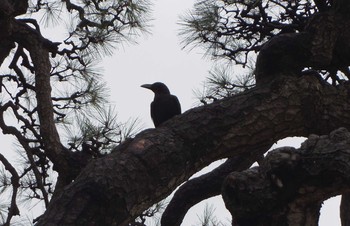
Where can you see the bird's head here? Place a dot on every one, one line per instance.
(157, 88)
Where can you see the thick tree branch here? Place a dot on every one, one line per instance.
(291, 184)
(9, 9)
(345, 209)
(206, 186)
(116, 188)
(342, 6)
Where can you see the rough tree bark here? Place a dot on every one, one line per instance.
(115, 189)
(323, 45)
(290, 185)
(205, 186)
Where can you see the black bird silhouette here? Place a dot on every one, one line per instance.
(164, 105)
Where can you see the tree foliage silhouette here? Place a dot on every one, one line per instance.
(301, 71)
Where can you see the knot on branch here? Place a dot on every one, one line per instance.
(337, 140)
(291, 184)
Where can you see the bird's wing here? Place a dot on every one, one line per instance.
(163, 108)
(155, 113)
(176, 105)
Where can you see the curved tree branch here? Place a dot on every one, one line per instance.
(116, 188)
(291, 184)
(206, 186)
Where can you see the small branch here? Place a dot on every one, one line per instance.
(24, 142)
(13, 209)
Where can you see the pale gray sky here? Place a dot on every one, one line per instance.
(157, 57)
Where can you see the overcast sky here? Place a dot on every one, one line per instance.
(159, 57)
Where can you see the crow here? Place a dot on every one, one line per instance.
(164, 105)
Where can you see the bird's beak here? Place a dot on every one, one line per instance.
(147, 86)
